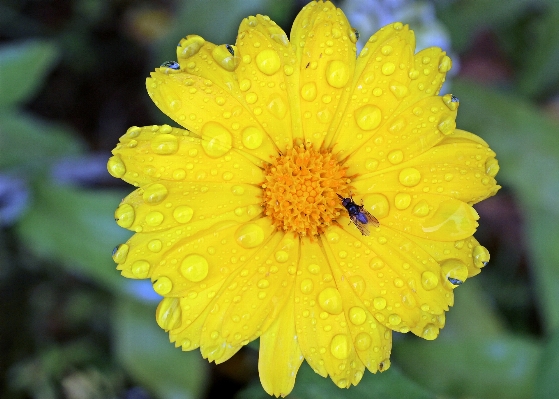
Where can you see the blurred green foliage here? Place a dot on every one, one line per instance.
(72, 326)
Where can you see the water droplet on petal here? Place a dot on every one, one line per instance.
(409, 177)
(445, 64)
(402, 201)
(377, 204)
(313, 268)
(252, 137)
(332, 237)
(116, 167)
(357, 315)
(155, 193)
(454, 271)
(379, 303)
(124, 215)
(163, 285)
(249, 235)
(281, 256)
(238, 190)
(268, 62)
(120, 253)
(155, 245)
(308, 91)
(368, 117)
(194, 268)
(492, 167)
(337, 73)
(395, 157)
(224, 58)
(421, 209)
(140, 268)
(388, 68)
(340, 346)
(376, 263)
(429, 280)
(216, 139)
(169, 314)
(154, 218)
(430, 332)
(183, 213)
(191, 45)
(330, 300)
(165, 144)
(481, 256)
(363, 341)
(306, 286)
(447, 125)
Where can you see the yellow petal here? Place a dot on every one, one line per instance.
(322, 327)
(402, 137)
(255, 293)
(322, 37)
(399, 277)
(153, 153)
(210, 111)
(427, 76)
(431, 216)
(457, 170)
(264, 73)
(280, 357)
(377, 91)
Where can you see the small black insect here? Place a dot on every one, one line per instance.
(454, 99)
(359, 215)
(230, 49)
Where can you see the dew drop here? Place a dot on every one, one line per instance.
(194, 268)
(376, 263)
(395, 157)
(330, 300)
(154, 218)
(313, 268)
(368, 117)
(430, 332)
(308, 91)
(306, 286)
(337, 73)
(252, 137)
(191, 45)
(163, 285)
(399, 90)
(492, 167)
(140, 268)
(357, 315)
(120, 253)
(332, 237)
(388, 68)
(421, 209)
(224, 58)
(155, 245)
(116, 167)
(155, 193)
(216, 139)
(379, 303)
(409, 177)
(169, 314)
(454, 270)
(281, 256)
(447, 125)
(445, 64)
(165, 144)
(481, 256)
(371, 164)
(429, 280)
(340, 347)
(268, 62)
(363, 341)
(183, 213)
(124, 215)
(249, 235)
(402, 201)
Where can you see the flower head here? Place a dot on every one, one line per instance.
(237, 215)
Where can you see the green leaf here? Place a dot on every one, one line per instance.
(75, 227)
(539, 71)
(23, 67)
(33, 143)
(527, 147)
(547, 383)
(390, 384)
(144, 349)
(498, 367)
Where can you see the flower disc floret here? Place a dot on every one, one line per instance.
(300, 191)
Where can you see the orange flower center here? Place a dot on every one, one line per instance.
(300, 190)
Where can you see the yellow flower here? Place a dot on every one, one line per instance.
(238, 218)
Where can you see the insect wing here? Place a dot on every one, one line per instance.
(360, 226)
(370, 218)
